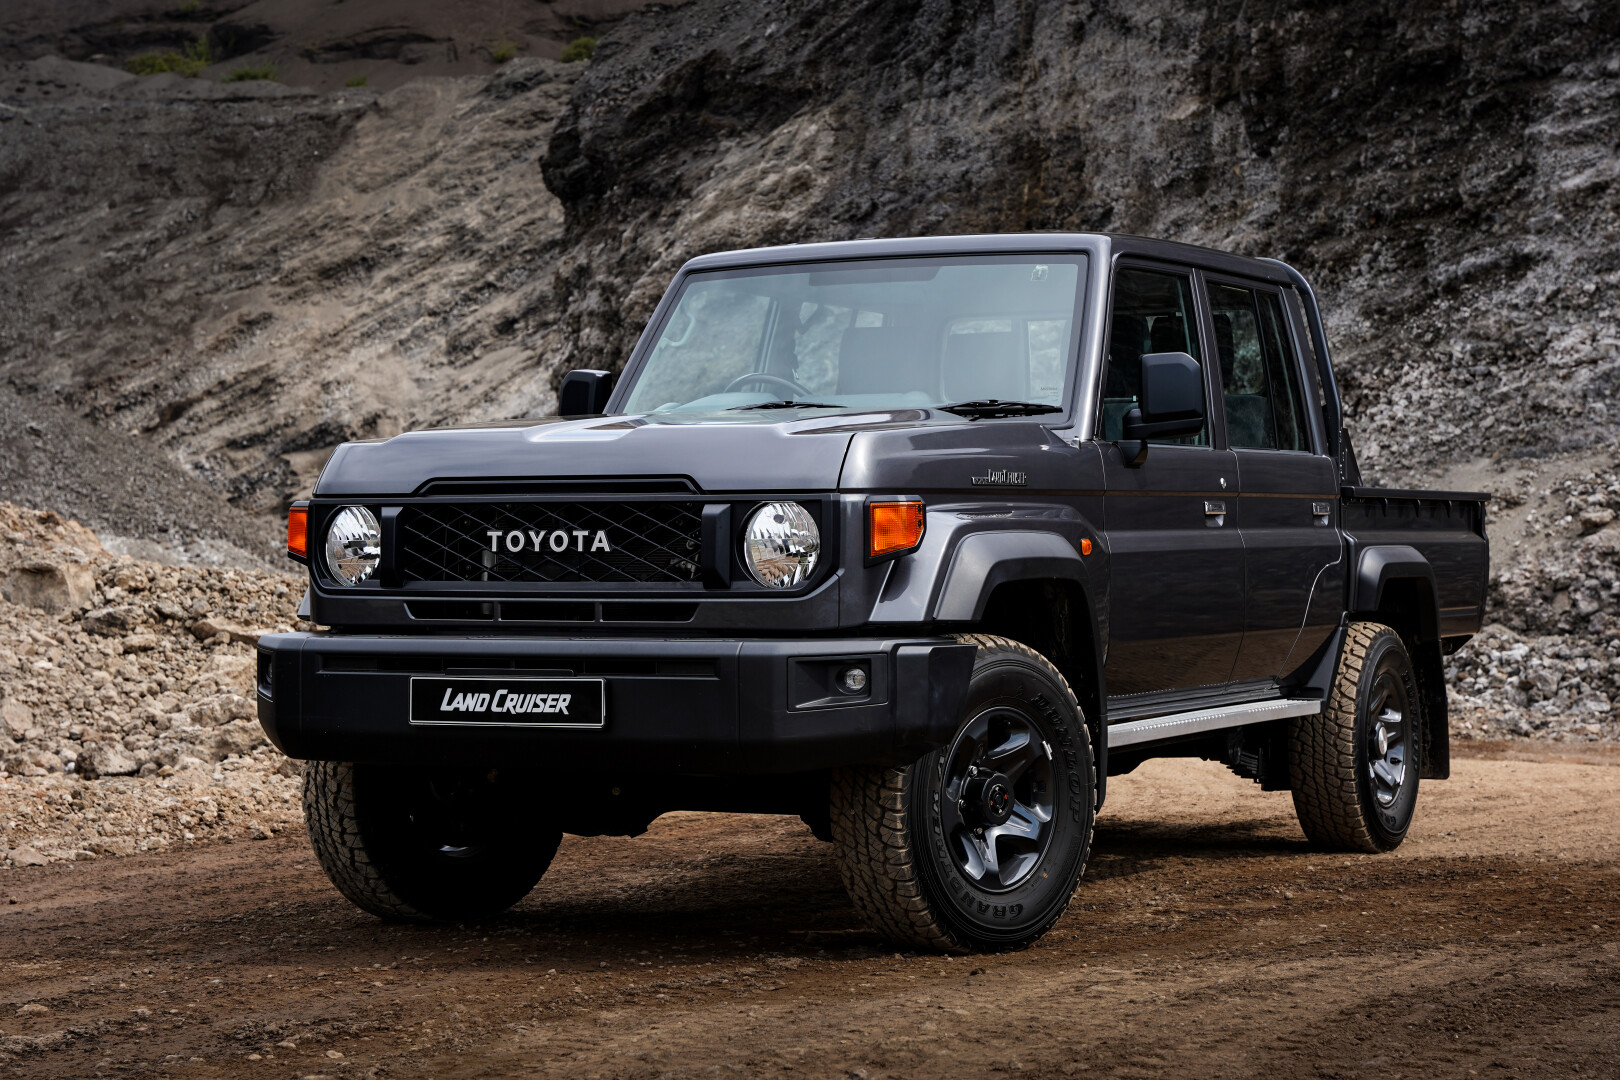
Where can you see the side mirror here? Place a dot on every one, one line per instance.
(1172, 403)
(584, 392)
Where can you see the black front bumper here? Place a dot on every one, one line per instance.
(674, 705)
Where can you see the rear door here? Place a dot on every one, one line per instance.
(1287, 506)
(1175, 557)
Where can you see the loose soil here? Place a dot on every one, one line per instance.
(1207, 939)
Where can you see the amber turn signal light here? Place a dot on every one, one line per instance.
(298, 532)
(1085, 546)
(896, 526)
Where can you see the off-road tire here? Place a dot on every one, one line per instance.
(886, 830)
(372, 848)
(1328, 754)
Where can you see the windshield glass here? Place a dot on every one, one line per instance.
(878, 334)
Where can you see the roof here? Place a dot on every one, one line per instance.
(1097, 244)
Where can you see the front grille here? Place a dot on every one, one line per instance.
(645, 542)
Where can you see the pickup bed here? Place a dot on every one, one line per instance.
(920, 540)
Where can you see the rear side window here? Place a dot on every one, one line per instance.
(1153, 313)
(1264, 406)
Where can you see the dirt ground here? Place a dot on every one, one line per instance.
(1206, 940)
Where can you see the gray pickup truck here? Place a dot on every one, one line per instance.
(920, 540)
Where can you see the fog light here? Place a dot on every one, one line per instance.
(852, 680)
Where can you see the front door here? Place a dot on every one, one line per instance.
(1287, 504)
(1175, 556)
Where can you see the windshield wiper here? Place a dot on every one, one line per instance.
(978, 410)
(785, 403)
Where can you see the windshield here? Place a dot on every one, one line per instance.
(878, 334)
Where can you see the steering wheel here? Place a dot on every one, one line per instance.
(759, 376)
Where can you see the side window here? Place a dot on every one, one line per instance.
(1153, 312)
(1260, 380)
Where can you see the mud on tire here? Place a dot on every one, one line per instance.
(425, 846)
(1354, 766)
(978, 845)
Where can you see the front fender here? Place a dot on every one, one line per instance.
(965, 555)
(968, 553)
(985, 560)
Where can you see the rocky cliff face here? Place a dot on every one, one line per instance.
(247, 274)
(1444, 172)
(243, 275)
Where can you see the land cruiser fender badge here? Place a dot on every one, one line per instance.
(1001, 478)
(558, 540)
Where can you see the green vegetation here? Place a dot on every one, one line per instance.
(251, 74)
(188, 8)
(580, 48)
(358, 80)
(189, 62)
(502, 51)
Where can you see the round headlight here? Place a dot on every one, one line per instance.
(353, 545)
(780, 545)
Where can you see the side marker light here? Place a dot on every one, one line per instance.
(1085, 547)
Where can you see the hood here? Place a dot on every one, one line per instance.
(791, 450)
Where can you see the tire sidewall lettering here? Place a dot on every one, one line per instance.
(1033, 694)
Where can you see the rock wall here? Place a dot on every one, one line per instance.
(1443, 170)
(238, 277)
(245, 275)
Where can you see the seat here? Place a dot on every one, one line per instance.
(883, 360)
(1169, 334)
(1129, 340)
(1248, 421)
(1248, 416)
(1225, 347)
(985, 365)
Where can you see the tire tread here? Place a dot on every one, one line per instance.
(876, 858)
(1322, 755)
(333, 824)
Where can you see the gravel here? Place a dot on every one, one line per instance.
(128, 723)
(138, 499)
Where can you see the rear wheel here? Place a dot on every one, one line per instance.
(425, 845)
(978, 845)
(1355, 765)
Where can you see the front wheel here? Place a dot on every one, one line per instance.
(426, 845)
(978, 845)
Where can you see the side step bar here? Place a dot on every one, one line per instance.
(1192, 723)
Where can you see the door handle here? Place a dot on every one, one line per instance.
(1322, 513)
(1215, 512)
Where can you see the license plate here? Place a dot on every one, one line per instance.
(493, 701)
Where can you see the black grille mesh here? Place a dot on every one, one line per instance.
(650, 542)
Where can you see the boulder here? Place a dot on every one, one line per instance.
(27, 856)
(237, 737)
(107, 759)
(173, 751)
(113, 621)
(211, 629)
(1595, 517)
(49, 586)
(15, 718)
